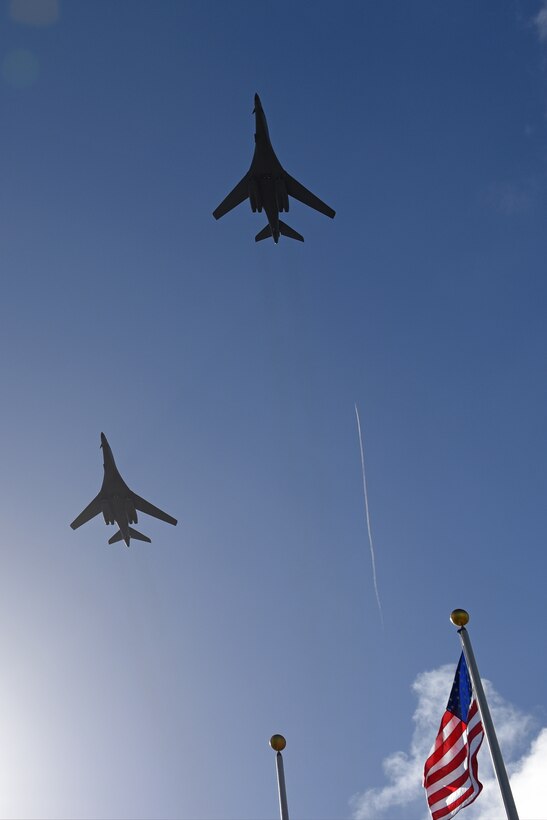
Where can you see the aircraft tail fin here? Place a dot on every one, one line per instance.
(264, 233)
(138, 536)
(286, 230)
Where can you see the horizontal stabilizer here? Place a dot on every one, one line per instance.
(264, 233)
(288, 231)
(138, 536)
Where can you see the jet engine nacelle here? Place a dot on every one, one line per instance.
(131, 513)
(254, 196)
(108, 515)
(281, 195)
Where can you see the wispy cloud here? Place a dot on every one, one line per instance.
(524, 749)
(34, 12)
(509, 198)
(540, 21)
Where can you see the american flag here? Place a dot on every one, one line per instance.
(450, 772)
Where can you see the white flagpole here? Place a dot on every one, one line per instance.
(278, 743)
(460, 618)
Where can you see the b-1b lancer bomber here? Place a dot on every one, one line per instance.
(118, 503)
(269, 186)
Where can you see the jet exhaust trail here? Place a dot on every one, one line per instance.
(367, 515)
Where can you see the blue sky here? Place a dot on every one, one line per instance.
(146, 682)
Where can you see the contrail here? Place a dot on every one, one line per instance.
(367, 516)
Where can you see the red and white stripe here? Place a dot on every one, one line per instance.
(450, 772)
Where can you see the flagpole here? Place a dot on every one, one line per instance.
(278, 743)
(460, 618)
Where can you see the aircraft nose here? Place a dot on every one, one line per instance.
(258, 104)
(103, 440)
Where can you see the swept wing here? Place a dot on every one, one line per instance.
(90, 512)
(297, 190)
(234, 198)
(149, 509)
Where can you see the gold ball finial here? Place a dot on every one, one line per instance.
(459, 617)
(278, 743)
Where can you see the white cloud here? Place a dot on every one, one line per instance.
(528, 784)
(525, 759)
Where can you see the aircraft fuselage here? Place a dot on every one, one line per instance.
(268, 190)
(115, 495)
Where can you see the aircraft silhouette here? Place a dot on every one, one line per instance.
(118, 503)
(269, 186)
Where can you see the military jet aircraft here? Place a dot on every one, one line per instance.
(118, 503)
(269, 186)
